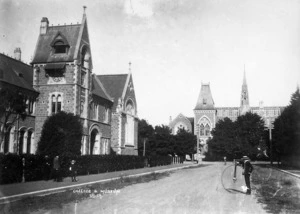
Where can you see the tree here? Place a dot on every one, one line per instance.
(163, 140)
(286, 132)
(12, 107)
(185, 143)
(61, 135)
(238, 138)
(145, 132)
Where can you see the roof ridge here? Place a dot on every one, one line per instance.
(63, 25)
(111, 74)
(15, 59)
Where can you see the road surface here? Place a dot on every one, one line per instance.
(195, 190)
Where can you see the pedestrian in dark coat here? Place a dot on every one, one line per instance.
(56, 169)
(73, 171)
(47, 168)
(247, 170)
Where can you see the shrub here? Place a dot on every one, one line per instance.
(10, 168)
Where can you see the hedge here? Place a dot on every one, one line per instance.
(11, 165)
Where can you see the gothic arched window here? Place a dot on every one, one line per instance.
(207, 130)
(201, 130)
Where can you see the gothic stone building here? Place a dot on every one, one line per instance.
(206, 115)
(61, 78)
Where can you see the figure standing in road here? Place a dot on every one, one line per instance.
(73, 171)
(225, 160)
(247, 170)
(47, 168)
(56, 168)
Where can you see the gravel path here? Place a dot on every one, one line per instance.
(197, 190)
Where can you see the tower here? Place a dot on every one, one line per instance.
(244, 107)
(63, 76)
(205, 117)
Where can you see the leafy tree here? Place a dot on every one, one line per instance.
(12, 107)
(163, 140)
(185, 143)
(287, 128)
(238, 138)
(61, 135)
(145, 132)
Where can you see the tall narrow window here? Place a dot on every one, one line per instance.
(53, 100)
(58, 103)
(201, 130)
(106, 112)
(207, 130)
(81, 106)
(96, 112)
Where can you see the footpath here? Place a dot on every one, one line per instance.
(17, 191)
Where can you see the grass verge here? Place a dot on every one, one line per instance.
(57, 200)
(278, 191)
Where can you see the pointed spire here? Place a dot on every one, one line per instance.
(244, 107)
(129, 67)
(244, 80)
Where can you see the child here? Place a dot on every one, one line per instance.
(73, 171)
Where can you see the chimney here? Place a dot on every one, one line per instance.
(17, 53)
(44, 25)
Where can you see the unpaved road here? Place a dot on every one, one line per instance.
(197, 190)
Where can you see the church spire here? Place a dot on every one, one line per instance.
(245, 107)
(244, 80)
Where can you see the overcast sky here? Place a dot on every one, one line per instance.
(175, 45)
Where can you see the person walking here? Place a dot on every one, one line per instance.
(56, 169)
(73, 171)
(225, 160)
(247, 170)
(47, 168)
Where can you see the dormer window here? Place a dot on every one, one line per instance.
(60, 44)
(60, 47)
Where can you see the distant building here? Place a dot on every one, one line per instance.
(206, 115)
(61, 78)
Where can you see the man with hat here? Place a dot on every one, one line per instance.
(247, 170)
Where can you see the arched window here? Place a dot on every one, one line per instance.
(207, 130)
(81, 106)
(58, 109)
(21, 141)
(7, 140)
(53, 104)
(29, 135)
(201, 130)
(56, 103)
(106, 115)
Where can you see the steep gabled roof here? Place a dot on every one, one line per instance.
(99, 90)
(15, 72)
(43, 51)
(114, 84)
(205, 100)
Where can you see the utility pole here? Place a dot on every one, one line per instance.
(271, 143)
(144, 151)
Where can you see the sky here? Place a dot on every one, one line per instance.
(175, 46)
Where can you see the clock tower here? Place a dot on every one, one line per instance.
(244, 107)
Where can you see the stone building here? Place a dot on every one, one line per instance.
(61, 78)
(181, 122)
(124, 112)
(17, 76)
(206, 115)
